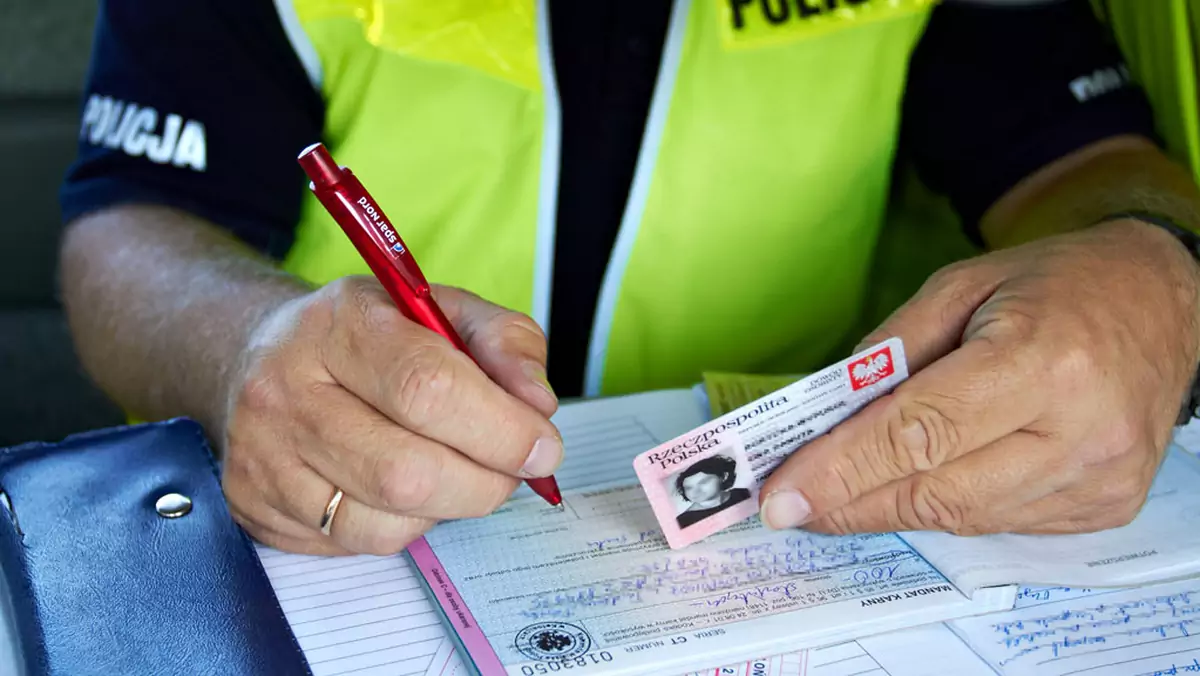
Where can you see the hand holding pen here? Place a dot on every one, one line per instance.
(342, 404)
(377, 241)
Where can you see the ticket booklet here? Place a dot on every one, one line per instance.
(597, 589)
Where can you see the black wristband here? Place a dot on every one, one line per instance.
(1191, 241)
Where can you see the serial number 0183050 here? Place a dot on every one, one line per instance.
(565, 665)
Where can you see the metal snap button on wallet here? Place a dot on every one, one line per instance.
(173, 505)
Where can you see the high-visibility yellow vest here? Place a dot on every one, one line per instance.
(1160, 39)
(754, 236)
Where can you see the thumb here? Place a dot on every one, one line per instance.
(508, 345)
(932, 322)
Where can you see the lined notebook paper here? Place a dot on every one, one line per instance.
(361, 615)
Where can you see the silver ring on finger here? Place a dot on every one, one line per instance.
(331, 510)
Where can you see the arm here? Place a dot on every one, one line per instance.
(161, 303)
(1024, 116)
(167, 261)
(177, 307)
(1046, 375)
(1121, 174)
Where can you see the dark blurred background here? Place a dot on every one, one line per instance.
(44, 45)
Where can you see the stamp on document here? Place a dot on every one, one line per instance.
(709, 478)
(553, 641)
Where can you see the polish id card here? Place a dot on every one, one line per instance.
(709, 478)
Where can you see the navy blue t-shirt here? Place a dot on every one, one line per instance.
(190, 103)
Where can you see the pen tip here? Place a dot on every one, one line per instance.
(562, 506)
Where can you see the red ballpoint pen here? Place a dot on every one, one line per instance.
(363, 221)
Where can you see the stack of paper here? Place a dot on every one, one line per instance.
(368, 615)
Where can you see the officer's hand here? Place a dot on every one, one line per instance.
(338, 389)
(1047, 380)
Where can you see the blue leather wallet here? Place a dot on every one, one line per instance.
(122, 558)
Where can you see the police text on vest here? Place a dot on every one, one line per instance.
(779, 11)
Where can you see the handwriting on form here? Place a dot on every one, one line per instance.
(1063, 633)
(741, 576)
(1191, 667)
(1044, 594)
(875, 573)
(624, 540)
(759, 594)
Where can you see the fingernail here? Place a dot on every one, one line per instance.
(546, 456)
(537, 373)
(785, 509)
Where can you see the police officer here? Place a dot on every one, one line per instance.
(661, 187)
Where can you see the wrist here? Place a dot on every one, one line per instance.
(1189, 241)
(1185, 236)
(265, 324)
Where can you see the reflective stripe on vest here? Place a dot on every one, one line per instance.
(447, 113)
(748, 237)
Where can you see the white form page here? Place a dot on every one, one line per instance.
(363, 619)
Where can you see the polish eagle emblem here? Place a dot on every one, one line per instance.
(871, 369)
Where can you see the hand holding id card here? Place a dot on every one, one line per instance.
(709, 478)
